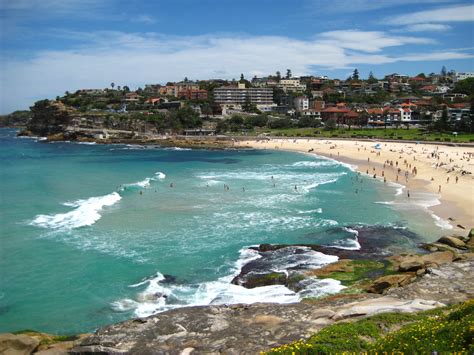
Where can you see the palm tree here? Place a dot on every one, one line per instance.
(112, 85)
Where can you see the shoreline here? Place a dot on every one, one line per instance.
(456, 198)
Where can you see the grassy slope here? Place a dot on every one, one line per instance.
(443, 330)
(389, 133)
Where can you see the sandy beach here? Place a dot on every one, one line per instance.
(438, 169)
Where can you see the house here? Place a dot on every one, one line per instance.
(335, 113)
(453, 96)
(311, 113)
(191, 94)
(132, 97)
(154, 100)
(291, 85)
(376, 116)
(462, 76)
(457, 114)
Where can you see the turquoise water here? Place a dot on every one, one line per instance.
(88, 231)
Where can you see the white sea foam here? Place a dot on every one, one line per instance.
(317, 210)
(177, 148)
(86, 213)
(160, 175)
(348, 243)
(141, 184)
(87, 143)
(314, 164)
(157, 297)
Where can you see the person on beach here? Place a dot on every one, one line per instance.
(296, 188)
(408, 193)
(439, 188)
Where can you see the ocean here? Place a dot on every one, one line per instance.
(95, 234)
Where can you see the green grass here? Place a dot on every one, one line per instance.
(443, 330)
(389, 133)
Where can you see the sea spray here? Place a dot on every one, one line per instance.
(86, 213)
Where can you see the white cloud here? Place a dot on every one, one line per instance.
(369, 41)
(463, 13)
(136, 59)
(143, 19)
(365, 5)
(426, 27)
(51, 7)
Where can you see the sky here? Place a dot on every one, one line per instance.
(52, 46)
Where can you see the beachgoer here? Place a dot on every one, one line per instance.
(457, 178)
(439, 188)
(141, 192)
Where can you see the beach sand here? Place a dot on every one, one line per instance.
(419, 167)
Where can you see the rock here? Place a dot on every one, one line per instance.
(382, 305)
(438, 258)
(452, 242)
(470, 242)
(411, 263)
(252, 280)
(445, 247)
(11, 344)
(386, 282)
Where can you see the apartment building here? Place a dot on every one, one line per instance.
(238, 95)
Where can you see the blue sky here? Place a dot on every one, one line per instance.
(50, 46)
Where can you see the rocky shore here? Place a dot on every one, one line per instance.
(440, 274)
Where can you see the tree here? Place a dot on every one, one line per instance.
(242, 78)
(112, 85)
(465, 86)
(443, 72)
(186, 79)
(278, 76)
(421, 75)
(288, 73)
(126, 89)
(331, 124)
(355, 75)
(442, 124)
(372, 79)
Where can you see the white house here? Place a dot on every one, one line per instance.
(301, 103)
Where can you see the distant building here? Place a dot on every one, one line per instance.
(301, 103)
(457, 114)
(462, 76)
(291, 85)
(239, 95)
(191, 94)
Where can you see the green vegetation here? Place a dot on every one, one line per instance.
(415, 134)
(47, 339)
(354, 271)
(449, 329)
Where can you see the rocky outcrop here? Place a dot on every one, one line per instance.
(382, 284)
(48, 118)
(244, 329)
(12, 344)
(452, 242)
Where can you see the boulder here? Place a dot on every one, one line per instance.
(438, 258)
(384, 283)
(470, 243)
(12, 344)
(452, 242)
(252, 280)
(411, 263)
